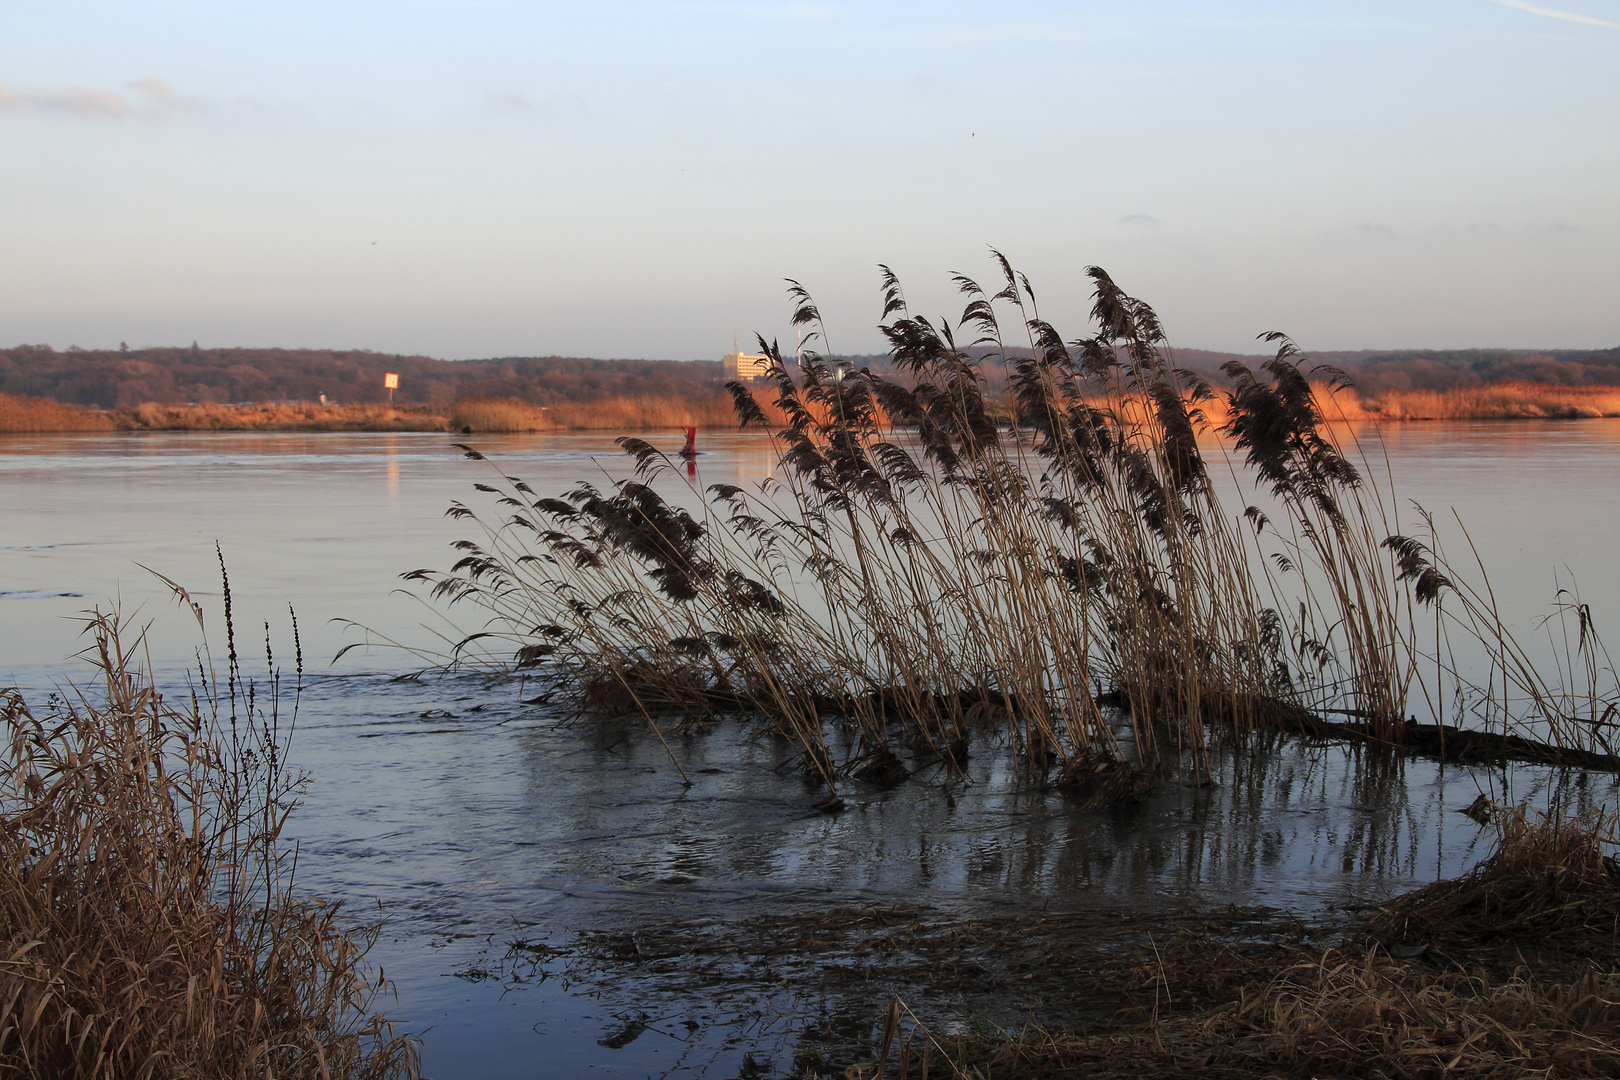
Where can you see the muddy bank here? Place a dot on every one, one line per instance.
(1096, 992)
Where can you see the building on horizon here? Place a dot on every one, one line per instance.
(741, 365)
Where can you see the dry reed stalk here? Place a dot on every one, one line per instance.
(147, 914)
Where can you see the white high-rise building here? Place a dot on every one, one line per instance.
(741, 365)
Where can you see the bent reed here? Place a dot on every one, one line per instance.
(931, 562)
(149, 922)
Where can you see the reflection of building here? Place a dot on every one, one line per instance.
(741, 365)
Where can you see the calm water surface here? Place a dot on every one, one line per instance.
(468, 819)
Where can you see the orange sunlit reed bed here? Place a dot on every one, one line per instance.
(25, 415)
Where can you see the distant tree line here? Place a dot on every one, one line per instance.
(118, 379)
(125, 378)
(1376, 372)
(1448, 369)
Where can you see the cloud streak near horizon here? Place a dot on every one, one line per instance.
(87, 101)
(1552, 13)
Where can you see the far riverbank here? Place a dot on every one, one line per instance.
(488, 415)
(27, 415)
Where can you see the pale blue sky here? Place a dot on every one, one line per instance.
(636, 179)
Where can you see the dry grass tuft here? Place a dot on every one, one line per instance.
(1549, 877)
(1353, 1011)
(147, 922)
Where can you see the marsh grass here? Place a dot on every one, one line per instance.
(149, 922)
(269, 416)
(997, 538)
(615, 413)
(21, 415)
(1495, 401)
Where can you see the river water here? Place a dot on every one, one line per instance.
(465, 819)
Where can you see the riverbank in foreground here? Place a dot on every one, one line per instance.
(1512, 967)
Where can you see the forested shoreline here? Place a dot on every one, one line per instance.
(44, 390)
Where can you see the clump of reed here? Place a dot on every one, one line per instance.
(482, 414)
(21, 415)
(147, 918)
(934, 561)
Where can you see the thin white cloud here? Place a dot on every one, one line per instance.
(1552, 13)
(1141, 220)
(155, 96)
(76, 100)
(551, 106)
(160, 94)
(792, 12)
(510, 99)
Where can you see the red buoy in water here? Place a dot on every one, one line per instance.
(690, 450)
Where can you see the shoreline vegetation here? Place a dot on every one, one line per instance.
(24, 415)
(644, 412)
(147, 909)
